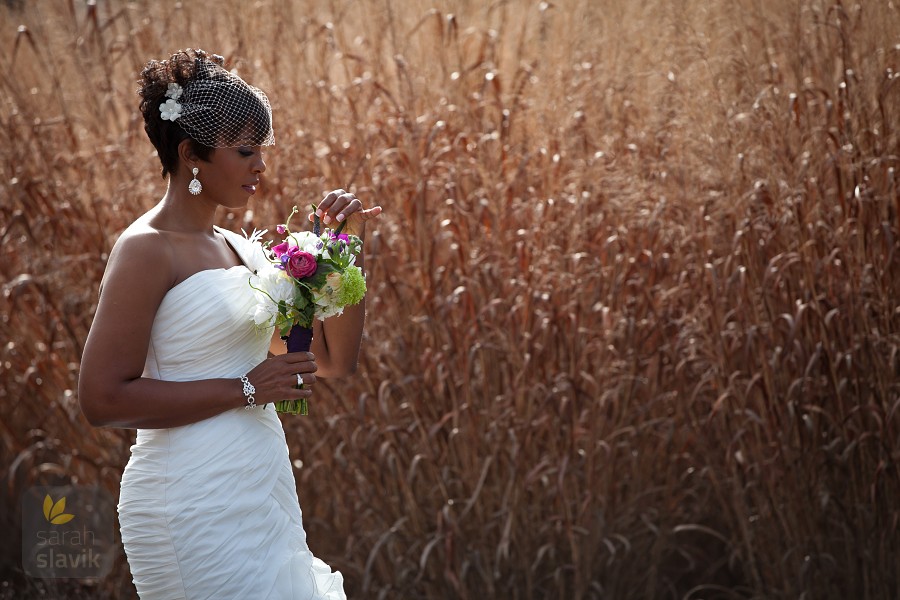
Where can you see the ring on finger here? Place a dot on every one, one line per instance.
(299, 380)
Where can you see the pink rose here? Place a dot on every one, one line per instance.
(299, 264)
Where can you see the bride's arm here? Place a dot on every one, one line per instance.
(111, 389)
(336, 340)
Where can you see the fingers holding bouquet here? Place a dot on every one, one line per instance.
(279, 378)
(339, 206)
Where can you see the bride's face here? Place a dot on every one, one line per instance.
(232, 175)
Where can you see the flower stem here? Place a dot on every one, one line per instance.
(299, 406)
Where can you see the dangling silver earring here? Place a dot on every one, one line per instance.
(195, 187)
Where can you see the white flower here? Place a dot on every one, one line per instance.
(256, 236)
(276, 283)
(305, 240)
(255, 255)
(174, 92)
(170, 110)
(257, 258)
(273, 286)
(326, 297)
(264, 314)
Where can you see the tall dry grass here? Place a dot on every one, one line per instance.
(633, 322)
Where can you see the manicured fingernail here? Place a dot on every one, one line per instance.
(327, 219)
(318, 213)
(340, 217)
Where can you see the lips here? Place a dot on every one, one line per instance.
(250, 188)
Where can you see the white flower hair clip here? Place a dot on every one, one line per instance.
(171, 109)
(174, 92)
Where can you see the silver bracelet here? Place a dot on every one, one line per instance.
(249, 390)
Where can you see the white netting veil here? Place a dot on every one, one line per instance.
(221, 110)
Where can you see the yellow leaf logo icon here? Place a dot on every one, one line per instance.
(55, 511)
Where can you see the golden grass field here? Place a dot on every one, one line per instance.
(633, 324)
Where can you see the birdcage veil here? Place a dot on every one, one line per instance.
(220, 110)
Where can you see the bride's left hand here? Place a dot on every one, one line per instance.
(339, 206)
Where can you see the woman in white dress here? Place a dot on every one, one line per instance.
(208, 505)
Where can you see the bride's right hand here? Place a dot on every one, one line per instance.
(276, 377)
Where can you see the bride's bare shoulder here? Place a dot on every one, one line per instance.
(140, 248)
(142, 242)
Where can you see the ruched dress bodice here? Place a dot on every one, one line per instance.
(210, 509)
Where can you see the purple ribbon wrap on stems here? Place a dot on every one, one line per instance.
(298, 340)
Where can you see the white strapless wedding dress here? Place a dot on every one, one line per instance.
(210, 510)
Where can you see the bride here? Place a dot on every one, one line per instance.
(208, 505)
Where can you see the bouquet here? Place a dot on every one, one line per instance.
(308, 276)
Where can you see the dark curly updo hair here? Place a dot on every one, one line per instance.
(192, 96)
(165, 136)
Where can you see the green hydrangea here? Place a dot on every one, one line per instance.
(353, 286)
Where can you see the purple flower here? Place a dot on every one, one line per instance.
(338, 242)
(280, 229)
